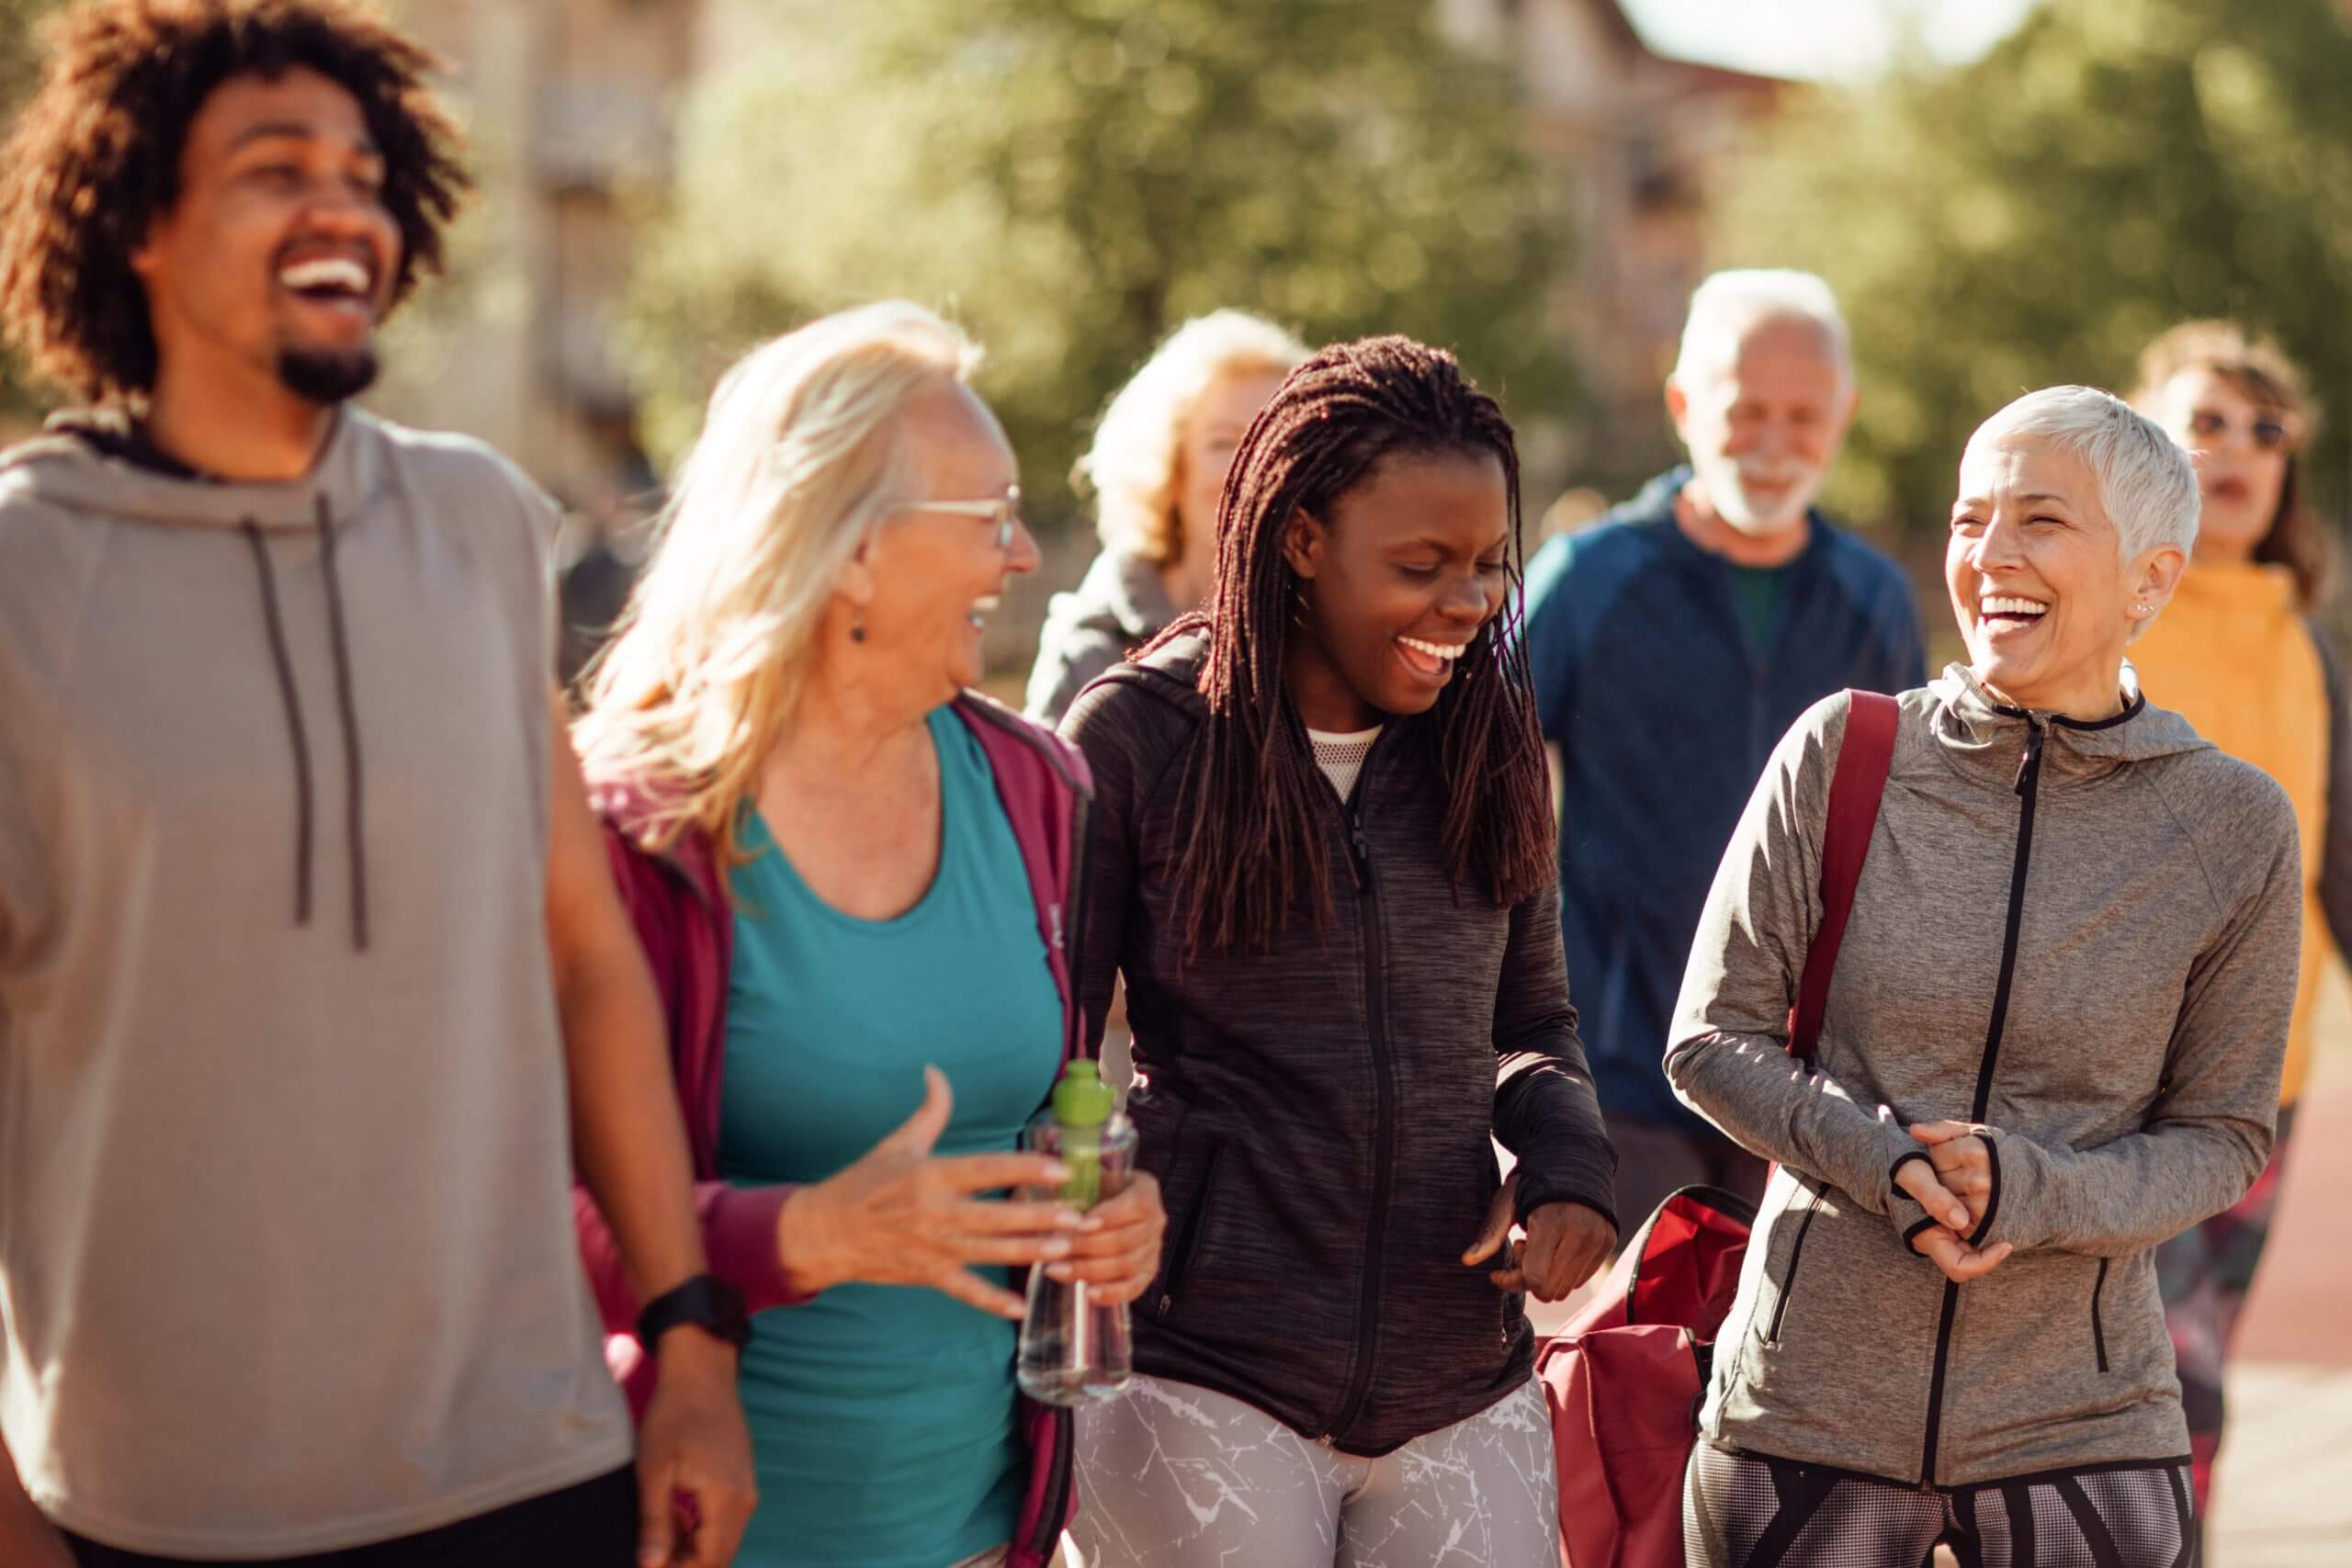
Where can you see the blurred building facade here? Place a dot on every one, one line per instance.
(571, 104)
(1641, 142)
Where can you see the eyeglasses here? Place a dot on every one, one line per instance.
(1004, 511)
(2267, 432)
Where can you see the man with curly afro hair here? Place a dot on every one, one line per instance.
(315, 989)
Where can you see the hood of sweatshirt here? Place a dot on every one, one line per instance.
(80, 465)
(76, 464)
(1121, 595)
(1985, 736)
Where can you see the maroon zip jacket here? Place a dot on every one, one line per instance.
(687, 928)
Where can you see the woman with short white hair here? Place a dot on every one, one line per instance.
(2052, 1040)
(1157, 468)
(852, 879)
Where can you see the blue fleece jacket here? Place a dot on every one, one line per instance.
(1664, 719)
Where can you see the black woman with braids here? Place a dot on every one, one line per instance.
(1321, 856)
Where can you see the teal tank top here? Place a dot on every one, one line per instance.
(882, 1415)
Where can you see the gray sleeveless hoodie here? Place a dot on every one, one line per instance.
(2082, 934)
(286, 1248)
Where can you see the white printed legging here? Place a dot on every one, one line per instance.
(1174, 1476)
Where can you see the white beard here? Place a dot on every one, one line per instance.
(1725, 484)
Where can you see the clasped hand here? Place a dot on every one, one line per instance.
(1954, 1185)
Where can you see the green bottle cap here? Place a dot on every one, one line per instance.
(1081, 1097)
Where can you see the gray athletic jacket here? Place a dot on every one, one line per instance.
(2082, 934)
(1120, 605)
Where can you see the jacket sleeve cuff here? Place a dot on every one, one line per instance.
(2012, 1211)
(1535, 1190)
(1981, 1235)
(1905, 1212)
(739, 1233)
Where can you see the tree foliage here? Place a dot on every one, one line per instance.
(2035, 217)
(1072, 178)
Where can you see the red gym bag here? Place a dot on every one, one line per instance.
(1626, 1380)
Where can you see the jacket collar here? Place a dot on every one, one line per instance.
(1986, 738)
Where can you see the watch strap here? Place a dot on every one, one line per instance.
(704, 1302)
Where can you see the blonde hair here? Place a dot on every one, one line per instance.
(800, 456)
(1133, 463)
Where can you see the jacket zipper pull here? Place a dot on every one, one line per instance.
(2029, 760)
(1358, 849)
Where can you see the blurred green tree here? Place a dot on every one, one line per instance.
(1072, 178)
(2035, 217)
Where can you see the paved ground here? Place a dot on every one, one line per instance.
(2283, 1496)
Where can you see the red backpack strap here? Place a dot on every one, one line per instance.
(1854, 792)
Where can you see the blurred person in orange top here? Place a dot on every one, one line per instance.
(2239, 655)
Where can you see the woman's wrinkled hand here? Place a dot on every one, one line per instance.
(1116, 1250)
(1564, 1244)
(1920, 1178)
(1959, 1262)
(1954, 1185)
(902, 1215)
(1964, 1163)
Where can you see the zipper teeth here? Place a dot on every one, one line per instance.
(1383, 1136)
(2029, 789)
(1074, 907)
(1936, 1386)
(2098, 1331)
(1188, 1236)
(1789, 1280)
(1056, 1499)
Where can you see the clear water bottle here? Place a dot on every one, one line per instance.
(1073, 1348)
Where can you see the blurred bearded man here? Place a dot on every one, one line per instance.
(1672, 644)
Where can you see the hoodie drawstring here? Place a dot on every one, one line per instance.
(353, 779)
(346, 711)
(285, 690)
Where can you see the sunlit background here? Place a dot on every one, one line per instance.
(2006, 194)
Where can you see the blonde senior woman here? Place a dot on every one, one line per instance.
(2052, 1040)
(1157, 469)
(852, 878)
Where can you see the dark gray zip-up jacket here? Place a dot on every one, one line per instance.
(1319, 1115)
(2084, 936)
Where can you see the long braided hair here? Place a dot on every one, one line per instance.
(1250, 791)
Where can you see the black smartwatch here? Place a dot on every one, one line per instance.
(704, 1302)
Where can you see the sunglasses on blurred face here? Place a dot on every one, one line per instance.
(2267, 433)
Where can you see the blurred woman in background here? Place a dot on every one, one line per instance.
(1157, 468)
(2238, 656)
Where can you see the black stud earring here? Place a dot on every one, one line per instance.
(857, 631)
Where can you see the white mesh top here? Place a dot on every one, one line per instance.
(1341, 756)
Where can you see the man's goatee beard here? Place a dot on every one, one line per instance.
(327, 378)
